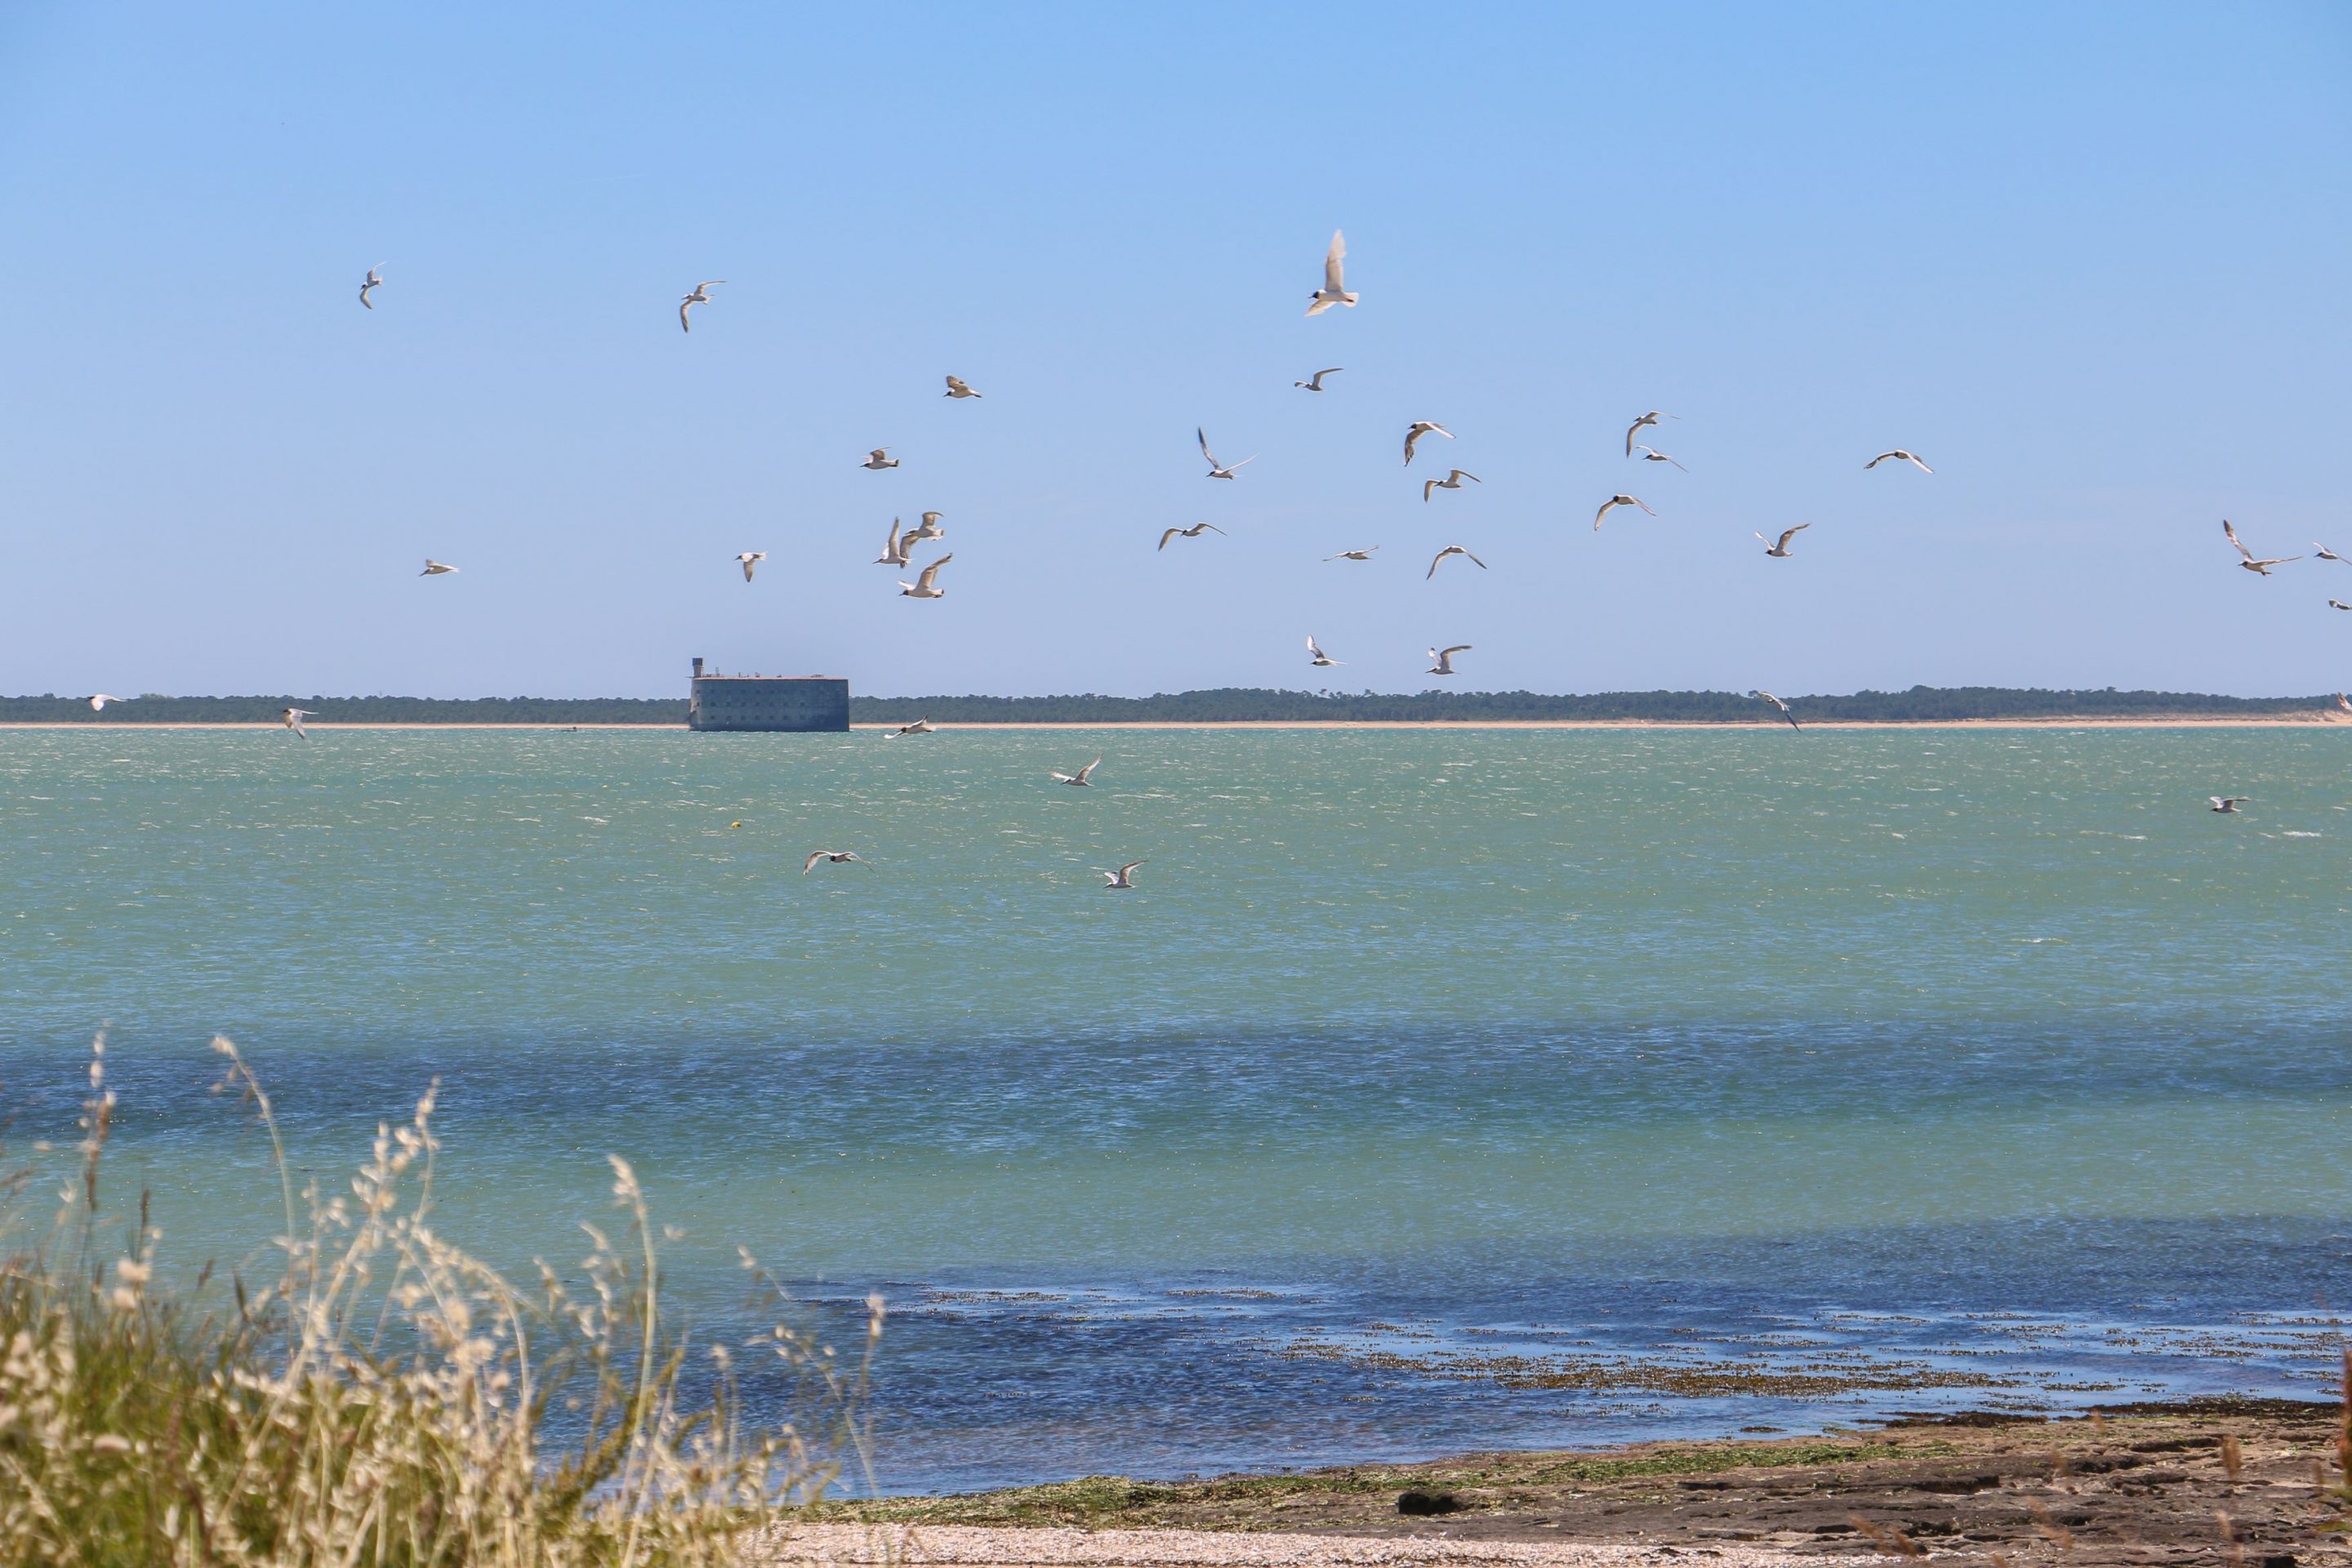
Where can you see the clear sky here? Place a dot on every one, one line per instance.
(2090, 261)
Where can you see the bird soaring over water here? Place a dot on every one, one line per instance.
(1615, 501)
(1219, 470)
(1783, 707)
(1317, 657)
(2260, 567)
(2344, 702)
(374, 281)
(702, 296)
(435, 568)
(749, 559)
(1899, 454)
(1353, 554)
(1652, 455)
(878, 460)
(1452, 481)
(292, 718)
(1422, 427)
(1439, 559)
(956, 388)
(1335, 282)
(831, 856)
(1644, 423)
(1779, 551)
(919, 727)
(1125, 876)
(1315, 381)
(1192, 532)
(1444, 658)
(1079, 779)
(99, 700)
(926, 583)
(2227, 804)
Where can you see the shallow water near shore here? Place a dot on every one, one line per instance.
(1434, 1091)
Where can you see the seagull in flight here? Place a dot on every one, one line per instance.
(1422, 427)
(893, 553)
(1615, 501)
(2338, 605)
(956, 388)
(2260, 567)
(1353, 554)
(702, 296)
(1191, 532)
(1314, 383)
(878, 460)
(1644, 423)
(1335, 282)
(749, 559)
(1652, 455)
(1779, 551)
(1451, 550)
(1783, 707)
(1125, 876)
(1219, 470)
(1317, 657)
(929, 528)
(831, 856)
(1444, 658)
(99, 700)
(1079, 779)
(375, 280)
(926, 585)
(2227, 804)
(292, 718)
(919, 727)
(2344, 702)
(436, 569)
(1452, 481)
(1900, 455)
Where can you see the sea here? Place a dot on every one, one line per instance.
(1432, 1090)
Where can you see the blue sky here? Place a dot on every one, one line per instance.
(2089, 261)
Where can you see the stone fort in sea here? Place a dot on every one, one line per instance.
(802, 702)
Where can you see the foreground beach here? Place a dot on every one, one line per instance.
(2315, 718)
(2155, 1485)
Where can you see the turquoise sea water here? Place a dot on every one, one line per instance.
(1990, 1055)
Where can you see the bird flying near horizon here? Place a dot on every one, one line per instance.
(702, 296)
(1078, 779)
(1335, 283)
(1422, 427)
(1317, 657)
(1444, 658)
(1192, 532)
(2261, 566)
(1612, 503)
(833, 856)
(1783, 707)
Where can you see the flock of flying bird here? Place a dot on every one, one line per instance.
(897, 546)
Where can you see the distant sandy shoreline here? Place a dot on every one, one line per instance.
(2315, 718)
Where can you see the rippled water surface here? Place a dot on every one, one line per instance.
(1434, 1088)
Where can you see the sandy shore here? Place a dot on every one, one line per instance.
(826, 1546)
(2154, 1484)
(2280, 722)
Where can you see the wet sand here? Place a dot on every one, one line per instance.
(2149, 1486)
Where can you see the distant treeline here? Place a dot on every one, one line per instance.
(1229, 705)
(1239, 705)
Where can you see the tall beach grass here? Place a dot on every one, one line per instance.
(384, 1397)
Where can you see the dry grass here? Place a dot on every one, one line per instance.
(389, 1399)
